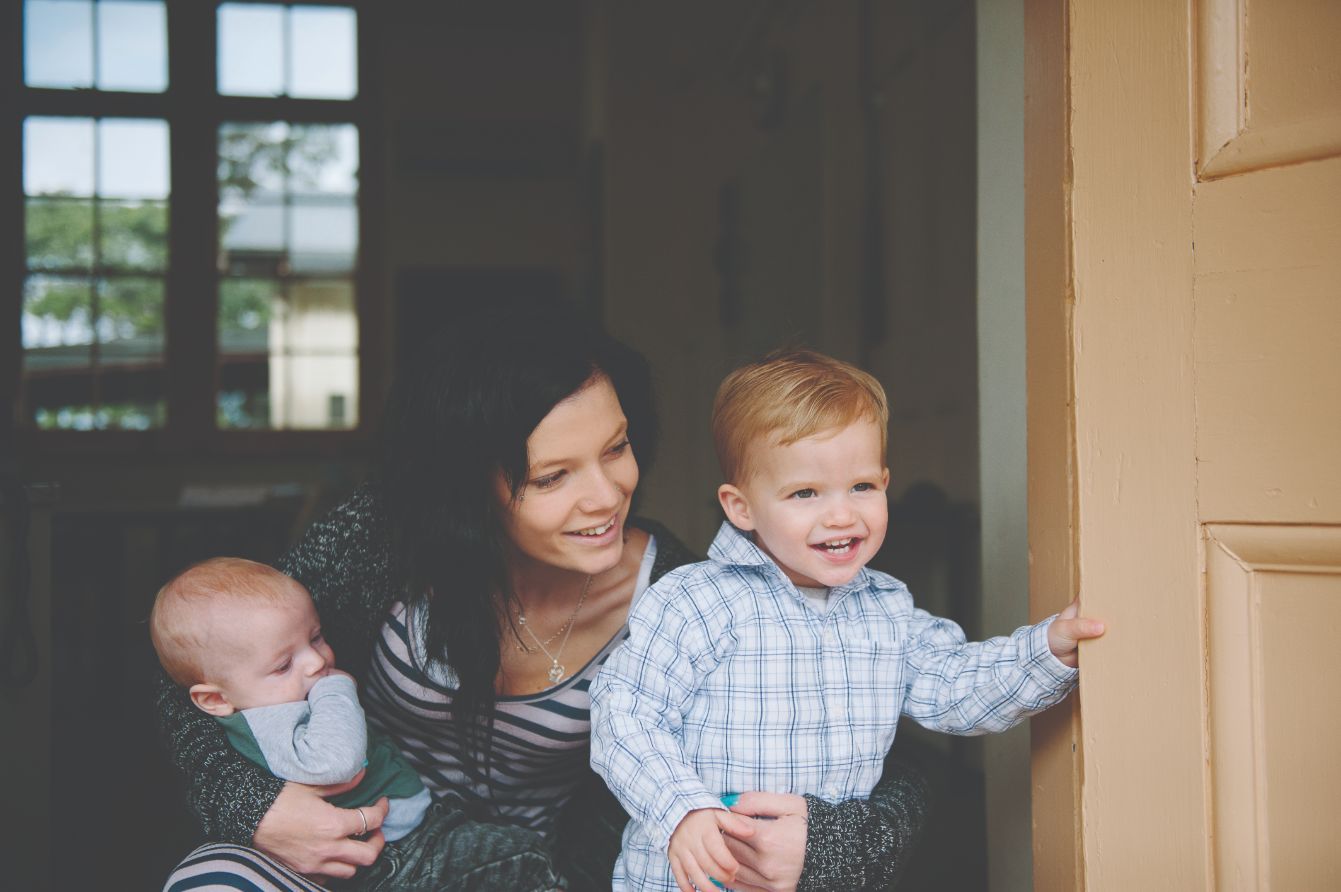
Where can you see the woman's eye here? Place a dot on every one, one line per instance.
(803, 494)
(619, 448)
(316, 639)
(547, 481)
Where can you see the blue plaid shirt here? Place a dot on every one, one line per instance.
(730, 682)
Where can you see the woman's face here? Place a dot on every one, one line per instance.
(570, 513)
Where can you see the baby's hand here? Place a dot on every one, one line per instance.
(1068, 630)
(697, 853)
(334, 671)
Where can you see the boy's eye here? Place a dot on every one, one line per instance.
(283, 667)
(804, 494)
(316, 639)
(863, 487)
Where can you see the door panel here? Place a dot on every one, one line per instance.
(1267, 83)
(1268, 344)
(1273, 619)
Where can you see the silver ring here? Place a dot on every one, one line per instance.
(364, 819)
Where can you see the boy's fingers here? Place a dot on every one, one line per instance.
(1072, 610)
(681, 878)
(724, 865)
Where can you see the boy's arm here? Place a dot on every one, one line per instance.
(637, 703)
(320, 741)
(979, 687)
(229, 793)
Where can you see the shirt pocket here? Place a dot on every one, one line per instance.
(870, 699)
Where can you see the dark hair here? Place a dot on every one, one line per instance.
(459, 412)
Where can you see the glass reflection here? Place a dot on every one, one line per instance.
(58, 43)
(132, 46)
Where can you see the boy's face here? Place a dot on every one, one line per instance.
(265, 654)
(816, 506)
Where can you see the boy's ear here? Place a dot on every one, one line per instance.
(735, 506)
(211, 698)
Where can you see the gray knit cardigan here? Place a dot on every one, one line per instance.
(344, 559)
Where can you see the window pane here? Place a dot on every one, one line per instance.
(57, 314)
(324, 57)
(253, 159)
(132, 46)
(58, 156)
(245, 307)
(324, 159)
(303, 372)
(325, 236)
(135, 235)
(58, 43)
(251, 50)
(251, 237)
(59, 234)
(130, 320)
(133, 158)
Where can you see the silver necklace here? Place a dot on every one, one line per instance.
(556, 669)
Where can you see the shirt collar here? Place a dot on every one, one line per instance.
(735, 548)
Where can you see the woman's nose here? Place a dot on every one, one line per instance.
(603, 493)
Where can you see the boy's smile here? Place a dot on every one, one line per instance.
(816, 506)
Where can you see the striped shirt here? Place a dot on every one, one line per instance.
(730, 681)
(541, 741)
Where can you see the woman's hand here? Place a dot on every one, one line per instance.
(313, 837)
(772, 859)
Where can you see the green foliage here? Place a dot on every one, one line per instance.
(256, 155)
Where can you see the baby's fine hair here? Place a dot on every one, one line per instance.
(788, 395)
(179, 622)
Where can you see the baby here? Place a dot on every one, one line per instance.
(781, 664)
(245, 642)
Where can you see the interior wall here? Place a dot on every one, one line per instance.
(1002, 413)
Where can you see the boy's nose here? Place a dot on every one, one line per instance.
(839, 514)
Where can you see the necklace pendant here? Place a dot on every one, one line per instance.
(556, 672)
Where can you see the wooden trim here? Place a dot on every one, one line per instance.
(1055, 735)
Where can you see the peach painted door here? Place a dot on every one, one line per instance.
(1192, 300)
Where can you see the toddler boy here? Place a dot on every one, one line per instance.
(245, 641)
(782, 664)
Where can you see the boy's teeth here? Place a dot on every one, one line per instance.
(838, 545)
(597, 531)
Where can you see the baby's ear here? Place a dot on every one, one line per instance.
(735, 506)
(211, 698)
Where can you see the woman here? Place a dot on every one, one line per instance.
(474, 589)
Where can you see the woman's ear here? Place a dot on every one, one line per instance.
(735, 506)
(211, 698)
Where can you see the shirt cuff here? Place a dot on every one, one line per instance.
(1040, 662)
(675, 813)
(334, 684)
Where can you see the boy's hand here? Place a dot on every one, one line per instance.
(1068, 630)
(697, 853)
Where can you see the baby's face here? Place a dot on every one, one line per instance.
(271, 653)
(818, 506)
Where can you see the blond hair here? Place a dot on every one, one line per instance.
(788, 395)
(180, 623)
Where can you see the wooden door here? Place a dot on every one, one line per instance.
(1183, 189)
